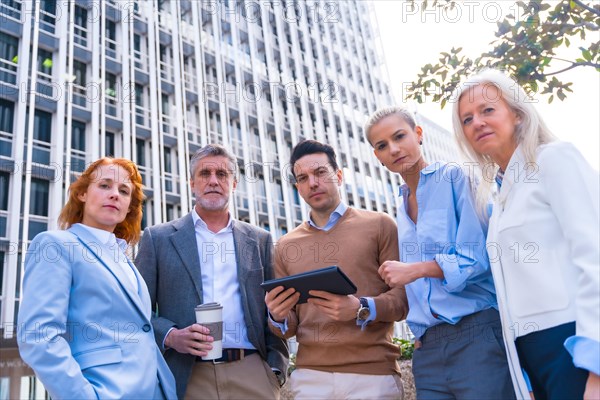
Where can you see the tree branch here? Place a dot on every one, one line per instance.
(574, 65)
(587, 25)
(585, 6)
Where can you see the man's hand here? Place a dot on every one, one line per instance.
(396, 273)
(194, 339)
(338, 307)
(280, 302)
(592, 388)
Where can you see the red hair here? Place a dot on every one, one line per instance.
(130, 228)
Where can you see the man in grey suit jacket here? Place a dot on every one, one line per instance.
(203, 257)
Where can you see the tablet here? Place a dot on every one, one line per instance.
(329, 279)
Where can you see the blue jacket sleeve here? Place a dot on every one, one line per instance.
(42, 322)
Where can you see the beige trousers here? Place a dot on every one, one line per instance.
(249, 378)
(309, 384)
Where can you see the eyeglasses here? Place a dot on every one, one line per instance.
(221, 174)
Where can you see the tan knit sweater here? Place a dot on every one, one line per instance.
(358, 243)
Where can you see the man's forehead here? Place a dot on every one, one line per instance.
(214, 163)
(312, 162)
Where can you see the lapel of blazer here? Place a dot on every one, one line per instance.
(245, 250)
(246, 258)
(515, 172)
(96, 248)
(142, 288)
(184, 242)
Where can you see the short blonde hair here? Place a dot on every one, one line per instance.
(385, 112)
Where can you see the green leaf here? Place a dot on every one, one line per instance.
(443, 104)
(550, 99)
(586, 54)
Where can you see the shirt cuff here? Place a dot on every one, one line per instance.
(454, 276)
(527, 380)
(372, 314)
(283, 326)
(165, 338)
(585, 353)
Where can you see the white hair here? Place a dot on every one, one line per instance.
(530, 133)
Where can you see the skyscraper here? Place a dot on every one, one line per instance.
(154, 80)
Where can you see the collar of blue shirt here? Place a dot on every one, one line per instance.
(333, 218)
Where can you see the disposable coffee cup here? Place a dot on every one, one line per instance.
(210, 315)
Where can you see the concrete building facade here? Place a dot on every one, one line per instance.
(153, 81)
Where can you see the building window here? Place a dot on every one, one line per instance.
(144, 222)
(44, 62)
(1, 275)
(110, 144)
(42, 135)
(140, 116)
(168, 166)
(111, 39)
(48, 15)
(110, 91)
(80, 17)
(79, 91)
(9, 50)
(170, 209)
(77, 146)
(79, 71)
(80, 28)
(39, 197)
(4, 182)
(42, 130)
(7, 112)
(141, 152)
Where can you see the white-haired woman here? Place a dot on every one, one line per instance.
(543, 238)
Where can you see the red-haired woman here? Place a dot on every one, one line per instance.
(84, 322)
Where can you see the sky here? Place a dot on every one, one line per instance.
(411, 40)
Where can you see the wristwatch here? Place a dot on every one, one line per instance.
(363, 311)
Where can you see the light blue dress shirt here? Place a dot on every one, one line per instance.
(448, 231)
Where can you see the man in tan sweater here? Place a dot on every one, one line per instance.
(345, 342)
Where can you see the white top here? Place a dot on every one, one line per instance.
(117, 249)
(220, 282)
(543, 245)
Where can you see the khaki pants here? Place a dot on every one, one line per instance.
(249, 378)
(310, 384)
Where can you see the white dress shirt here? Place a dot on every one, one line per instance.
(220, 282)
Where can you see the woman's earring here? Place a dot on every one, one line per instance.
(421, 142)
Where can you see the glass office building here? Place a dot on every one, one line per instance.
(153, 81)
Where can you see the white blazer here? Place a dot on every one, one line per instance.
(543, 243)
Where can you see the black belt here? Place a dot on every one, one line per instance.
(230, 355)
